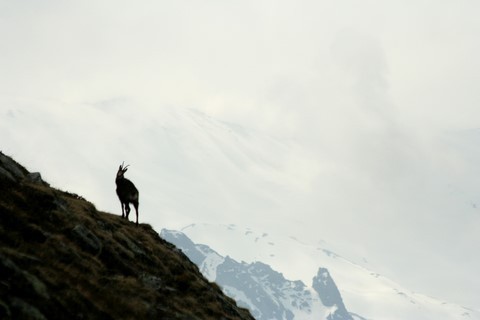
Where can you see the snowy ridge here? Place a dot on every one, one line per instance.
(211, 262)
(264, 291)
(365, 292)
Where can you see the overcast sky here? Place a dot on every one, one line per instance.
(383, 95)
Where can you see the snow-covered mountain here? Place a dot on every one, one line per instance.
(364, 291)
(264, 291)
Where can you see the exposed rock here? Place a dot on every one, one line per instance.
(86, 239)
(36, 177)
(151, 281)
(6, 175)
(330, 296)
(137, 251)
(13, 169)
(250, 279)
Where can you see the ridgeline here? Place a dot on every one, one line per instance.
(61, 258)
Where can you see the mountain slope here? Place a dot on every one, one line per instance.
(364, 291)
(60, 258)
(264, 291)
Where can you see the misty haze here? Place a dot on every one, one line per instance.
(346, 132)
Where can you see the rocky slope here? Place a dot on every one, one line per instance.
(60, 258)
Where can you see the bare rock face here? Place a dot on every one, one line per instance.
(330, 296)
(86, 239)
(11, 170)
(35, 177)
(14, 172)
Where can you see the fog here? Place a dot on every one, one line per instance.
(376, 101)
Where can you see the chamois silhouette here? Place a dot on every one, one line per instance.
(127, 192)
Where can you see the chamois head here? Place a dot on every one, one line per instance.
(121, 170)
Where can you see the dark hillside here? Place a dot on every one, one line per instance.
(60, 258)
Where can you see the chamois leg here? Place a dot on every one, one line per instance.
(123, 211)
(127, 209)
(135, 204)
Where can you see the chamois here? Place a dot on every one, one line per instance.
(126, 191)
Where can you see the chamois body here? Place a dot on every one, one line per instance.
(127, 192)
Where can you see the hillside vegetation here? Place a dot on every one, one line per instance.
(60, 258)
